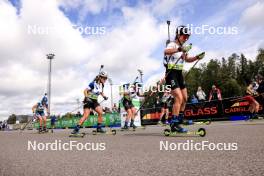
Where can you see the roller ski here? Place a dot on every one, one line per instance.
(42, 130)
(99, 130)
(200, 132)
(132, 127)
(127, 128)
(76, 133)
(177, 130)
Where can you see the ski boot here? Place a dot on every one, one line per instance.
(76, 133)
(176, 127)
(76, 130)
(133, 125)
(125, 127)
(166, 123)
(188, 122)
(44, 130)
(40, 129)
(99, 129)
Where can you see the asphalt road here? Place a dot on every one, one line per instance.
(137, 153)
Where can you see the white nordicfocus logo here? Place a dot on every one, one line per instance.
(58, 145)
(190, 145)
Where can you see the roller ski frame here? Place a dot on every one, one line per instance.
(200, 132)
(208, 122)
(108, 132)
(43, 131)
(77, 135)
(133, 129)
(186, 124)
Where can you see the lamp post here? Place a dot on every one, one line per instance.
(111, 86)
(49, 57)
(141, 75)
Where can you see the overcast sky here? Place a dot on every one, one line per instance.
(122, 35)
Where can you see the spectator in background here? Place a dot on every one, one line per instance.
(79, 114)
(114, 108)
(215, 94)
(52, 122)
(200, 94)
(194, 99)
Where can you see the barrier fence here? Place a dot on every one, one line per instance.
(235, 108)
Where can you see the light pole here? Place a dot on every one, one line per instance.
(141, 75)
(111, 86)
(49, 57)
(78, 104)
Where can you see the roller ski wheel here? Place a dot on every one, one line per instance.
(110, 132)
(81, 135)
(167, 132)
(200, 132)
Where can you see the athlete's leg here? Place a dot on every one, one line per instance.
(166, 115)
(162, 114)
(184, 101)
(163, 111)
(86, 113)
(175, 119)
(99, 111)
(44, 123)
(176, 93)
(128, 117)
(133, 111)
(40, 122)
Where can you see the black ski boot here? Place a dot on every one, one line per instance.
(40, 129)
(176, 127)
(44, 130)
(76, 129)
(99, 129)
(125, 126)
(132, 124)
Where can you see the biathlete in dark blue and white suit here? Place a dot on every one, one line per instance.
(39, 112)
(91, 93)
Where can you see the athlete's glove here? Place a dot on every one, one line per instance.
(200, 56)
(105, 97)
(185, 48)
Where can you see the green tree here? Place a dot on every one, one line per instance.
(11, 119)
